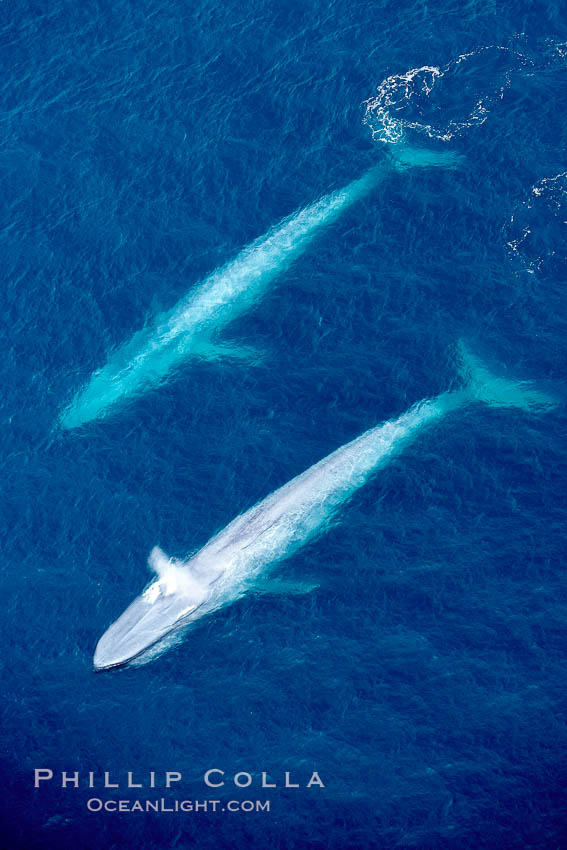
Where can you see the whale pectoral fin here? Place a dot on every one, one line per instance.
(209, 350)
(279, 586)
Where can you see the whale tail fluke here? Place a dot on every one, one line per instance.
(405, 156)
(497, 391)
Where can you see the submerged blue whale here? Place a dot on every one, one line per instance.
(232, 561)
(190, 328)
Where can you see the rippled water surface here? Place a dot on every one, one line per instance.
(144, 147)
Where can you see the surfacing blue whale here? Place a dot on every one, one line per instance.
(191, 328)
(236, 559)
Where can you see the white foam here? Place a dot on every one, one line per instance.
(175, 577)
(530, 231)
(404, 102)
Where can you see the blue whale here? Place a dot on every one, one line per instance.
(235, 560)
(191, 328)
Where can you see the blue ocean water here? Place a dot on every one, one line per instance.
(144, 145)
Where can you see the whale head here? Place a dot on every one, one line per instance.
(170, 600)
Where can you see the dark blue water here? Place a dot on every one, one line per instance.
(145, 144)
